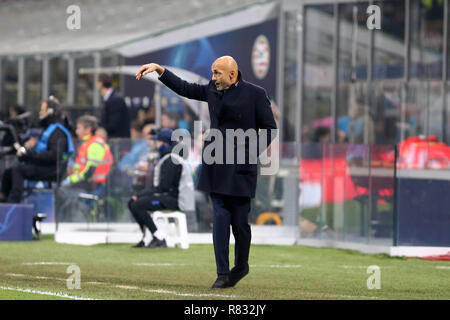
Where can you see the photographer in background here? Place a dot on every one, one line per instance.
(19, 119)
(39, 157)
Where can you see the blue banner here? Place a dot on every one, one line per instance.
(423, 213)
(254, 48)
(44, 202)
(16, 222)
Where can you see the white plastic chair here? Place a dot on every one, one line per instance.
(176, 233)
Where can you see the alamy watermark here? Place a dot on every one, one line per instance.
(73, 21)
(374, 20)
(235, 146)
(374, 280)
(74, 280)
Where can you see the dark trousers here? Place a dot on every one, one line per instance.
(231, 210)
(139, 209)
(13, 178)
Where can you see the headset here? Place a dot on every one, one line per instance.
(52, 107)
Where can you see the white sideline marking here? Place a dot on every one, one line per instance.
(362, 267)
(158, 264)
(125, 287)
(277, 266)
(443, 267)
(252, 266)
(43, 278)
(162, 291)
(350, 297)
(46, 293)
(46, 263)
(34, 277)
(188, 294)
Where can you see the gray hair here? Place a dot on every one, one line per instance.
(88, 121)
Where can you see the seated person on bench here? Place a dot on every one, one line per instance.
(39, 157)
(173, 189)
(94, 158)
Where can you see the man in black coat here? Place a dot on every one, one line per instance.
(40, 159)
(233, 104)
(115, 117)
(160, 197)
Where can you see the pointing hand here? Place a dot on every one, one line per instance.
(147, 68)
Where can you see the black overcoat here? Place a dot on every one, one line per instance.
(115, 117)
(243, 106)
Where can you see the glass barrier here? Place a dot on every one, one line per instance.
(423, 152)
(422, 181)
(347, 192)
(275, 199)
(105, 207)
(96, 206)
(423, 176)
(340, 192)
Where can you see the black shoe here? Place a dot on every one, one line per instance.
(156, 243)
(235, 276)
(221, 282)
(140, 244)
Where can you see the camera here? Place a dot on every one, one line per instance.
(11, 132)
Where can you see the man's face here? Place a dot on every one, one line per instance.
(146, 135)
(159, 144)
(141, 115)
(82, 131)
(99, 85)
(167, 122)
(325, 138)
(43, 110)
(134, 134)
(146, 131)
(222, 76)
(12, 112)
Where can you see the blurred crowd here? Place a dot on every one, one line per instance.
(90, 153)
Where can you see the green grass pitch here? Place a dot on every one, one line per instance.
(37, 270)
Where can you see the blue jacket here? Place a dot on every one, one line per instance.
(42, 143)
(139, 148)
(52, 145)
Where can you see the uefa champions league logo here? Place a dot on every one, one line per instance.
(8, 222)
(261, 57)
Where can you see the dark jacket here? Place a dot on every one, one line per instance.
(53, 156)
(116, 118)
(243, 106)
(169, 180)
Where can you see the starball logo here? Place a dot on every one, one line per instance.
(234, 146)
(8, 222)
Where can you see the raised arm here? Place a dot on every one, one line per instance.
(148, 68)
(179, 86)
